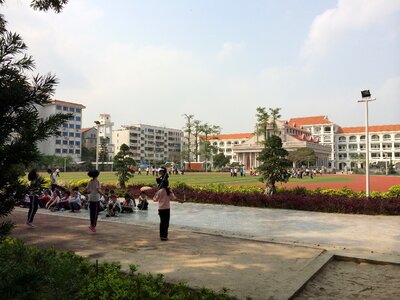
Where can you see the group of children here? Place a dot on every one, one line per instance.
(58, 198)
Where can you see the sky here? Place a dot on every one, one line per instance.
(153, 61)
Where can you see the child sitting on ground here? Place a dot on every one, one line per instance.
(128, 204)
(75, 200)
(143, 203)
(114, 207)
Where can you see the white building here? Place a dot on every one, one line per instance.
(105, 127)
(69, 143)
(293, 138)
(348, 142)
(149, 144)
(225, 143)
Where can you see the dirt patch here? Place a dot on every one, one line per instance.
(354, 280)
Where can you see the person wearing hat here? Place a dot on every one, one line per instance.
(163, 196)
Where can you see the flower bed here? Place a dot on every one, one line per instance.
(342, 200)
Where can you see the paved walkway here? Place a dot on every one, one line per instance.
(262, 253)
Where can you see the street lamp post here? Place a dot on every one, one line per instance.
(97, 144)
(366, 97)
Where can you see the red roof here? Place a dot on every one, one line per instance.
(83, 130)
(304, 137)
(231, 136)
(315, 120)
(378, 128)
(55, 101)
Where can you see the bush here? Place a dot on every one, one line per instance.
(36, 273)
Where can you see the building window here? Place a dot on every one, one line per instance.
(397, 137)
(71, 118)
(342, 139)
(58, 142)
(64, 150)
(387, 137)
(353, 139)
(65, 142)
(71, 109)
(375, 137)
(58, 107)
(78, 110)
(77, 118)
(78, 143)
(327, 129)
(71, 134)
(65, 133)
(77, 151)
(71, 143)
(71, 151)
(65, 108)
(362, 138)
(78, 134)
(221, 144)
(58, 150)
(65, 125)
(71, 125)
(78, 126)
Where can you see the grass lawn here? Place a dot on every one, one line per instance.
(196, 178)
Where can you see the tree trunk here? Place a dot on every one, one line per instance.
(269, 189)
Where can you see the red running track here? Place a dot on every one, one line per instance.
(377, 183)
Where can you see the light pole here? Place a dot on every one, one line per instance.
(97, 144)
(366, 97)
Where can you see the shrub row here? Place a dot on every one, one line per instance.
(342, 200)
(36, 273)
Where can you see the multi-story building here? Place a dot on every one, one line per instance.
(226, 142)
(348, 143)
(293, 138)
(149, 144)
(69, 142)
(89, 137)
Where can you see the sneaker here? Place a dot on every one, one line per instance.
(30, 225)
(62, 209)
(93, 229)
(164, 239)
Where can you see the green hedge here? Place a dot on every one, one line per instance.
(39, 273)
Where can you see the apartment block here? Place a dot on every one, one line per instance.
(69, 143)
(149, 144)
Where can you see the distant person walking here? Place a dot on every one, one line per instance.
(94, 191)
(163, 196)
(34, 192)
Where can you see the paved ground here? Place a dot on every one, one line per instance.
(262, 253)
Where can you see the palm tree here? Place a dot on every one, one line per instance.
(275, 115)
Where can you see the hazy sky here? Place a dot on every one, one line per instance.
(153, 61)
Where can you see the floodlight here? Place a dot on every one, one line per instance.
(365, 94)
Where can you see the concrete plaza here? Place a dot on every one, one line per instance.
(262, 253)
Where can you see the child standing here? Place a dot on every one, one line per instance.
(34, 192)
(94, 191)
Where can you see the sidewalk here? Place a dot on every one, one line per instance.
(222, 246)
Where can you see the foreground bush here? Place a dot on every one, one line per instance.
(38, 273)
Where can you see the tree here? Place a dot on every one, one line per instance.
(188, 130)
(273, 164)
(262, 122)
(304, 156)
(359, 158)
(122, 164)
(103, 151)
(220, 160)
(208, 130)
(196, 134)
(21, 127)
(275, 115)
